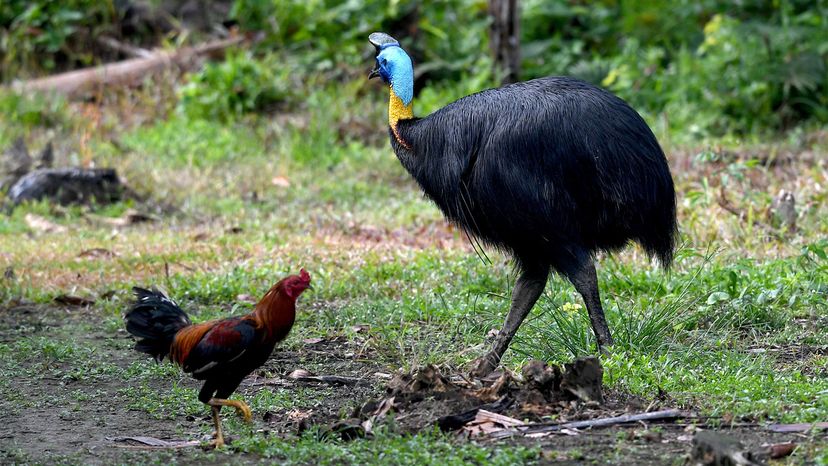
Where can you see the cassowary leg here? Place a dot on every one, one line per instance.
(586, 283)
(528, 288)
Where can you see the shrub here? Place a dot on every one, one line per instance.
(238, 85)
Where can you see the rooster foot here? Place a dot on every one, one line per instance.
(241, 407)
(216, 443)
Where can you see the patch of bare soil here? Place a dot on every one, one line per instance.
(340, 388)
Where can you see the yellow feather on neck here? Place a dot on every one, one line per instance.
(397, 110)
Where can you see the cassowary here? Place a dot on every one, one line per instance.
(550, 170)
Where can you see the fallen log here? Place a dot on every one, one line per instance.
(68, 186)
(79, 82)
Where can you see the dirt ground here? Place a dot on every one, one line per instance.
(53, 424)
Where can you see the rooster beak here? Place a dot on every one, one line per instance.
(374, 73)
(310, 287)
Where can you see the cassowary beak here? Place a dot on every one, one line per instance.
(374, 73)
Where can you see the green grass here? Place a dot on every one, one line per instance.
(385, 448)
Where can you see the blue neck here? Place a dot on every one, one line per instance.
(402, 72)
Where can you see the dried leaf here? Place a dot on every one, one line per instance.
(487, 422)
(299, 374)
(360, 328)
(200, 236)
(70, 300)
(495, 390)
(98, 253)
(368, 425)
(349, 429)
(280, 181)
(505, 421)
(130, 217)
(384, 407)
(246, 298)
(36, 222)
(780, 450)
(297, 415)
(312, 341)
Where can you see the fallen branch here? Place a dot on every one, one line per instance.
(725, 204)
(124, 48)
(303, 375)
(797, 428)
(593, 423)
(330, 379)
(152, 442)
(79, 82)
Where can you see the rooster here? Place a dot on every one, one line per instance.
(220, 352)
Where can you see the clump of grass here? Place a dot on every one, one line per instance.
(562, 329)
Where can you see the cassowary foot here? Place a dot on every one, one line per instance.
(241, 407)
(528, 288)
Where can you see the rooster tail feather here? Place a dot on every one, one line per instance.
(154, 319)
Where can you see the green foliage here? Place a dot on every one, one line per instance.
(32, 110)
(332, 36)
(45, 34)
(240, 84)
(750, 70)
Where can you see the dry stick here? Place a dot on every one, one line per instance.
(124, 48)
(603, 422)
(725, 204)
(77, 82)
(330, 379)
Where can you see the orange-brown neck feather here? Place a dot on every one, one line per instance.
(275, 312)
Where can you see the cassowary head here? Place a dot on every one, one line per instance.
(393, 66)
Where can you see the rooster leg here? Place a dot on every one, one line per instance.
(241, 407)
(586, 282)
(219, 441)
(528, 288)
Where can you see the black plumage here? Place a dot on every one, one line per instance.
(550, 170)
(154, 319)
(546, 169)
